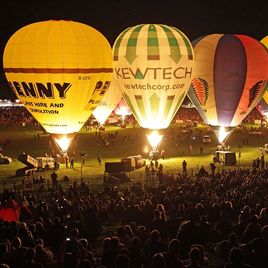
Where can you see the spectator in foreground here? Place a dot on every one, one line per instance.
(236, 259)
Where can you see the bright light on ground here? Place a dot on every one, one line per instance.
(123, 116)
(123, 112)
(146, 150)
(63, 142)
(101, 117)
(154, 139)
(223, 134)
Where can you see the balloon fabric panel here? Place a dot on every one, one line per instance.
(229, 77)
(108, 102)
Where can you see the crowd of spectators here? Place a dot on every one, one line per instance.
(214, 219)
(192, 115)
(21, 116)
(188, 114)
(253, 115)
(11, 116)
(201, 221)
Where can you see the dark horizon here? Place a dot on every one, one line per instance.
(195, 19)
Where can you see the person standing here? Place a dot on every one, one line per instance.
(262, 162)
(83, 159)
(54, 180)
(72, 162)
(213, 168)
(162, 155)
(184, 167)
(99, 159)
(67, 161)
(56, 165)
(147, 173)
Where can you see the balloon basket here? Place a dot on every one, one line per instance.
(59, 153)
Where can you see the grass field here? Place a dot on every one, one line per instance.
(129, 141)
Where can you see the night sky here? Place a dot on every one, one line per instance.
(193, 17)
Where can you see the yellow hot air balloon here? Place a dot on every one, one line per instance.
(108, 103)
(265, 41)
(154, 64)
(59, 70)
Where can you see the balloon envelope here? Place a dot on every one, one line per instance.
(59, 70)
(229, 79)
(154, 65)
(263, 104)
(108, 103)
(122, 108)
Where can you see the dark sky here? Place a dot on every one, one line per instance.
(194, 17)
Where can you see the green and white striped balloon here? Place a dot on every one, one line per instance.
(154, 65)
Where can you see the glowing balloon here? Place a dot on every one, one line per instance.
(263, 104)
(154, 139)
(154, 65)
(122, 108)
(108, 103)
(59, 70)
(229, 79)
(264, 41)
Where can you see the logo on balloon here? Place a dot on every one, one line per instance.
(156, 73)
(254, 95)
(200, 87)
(40, 90)
(254, 91)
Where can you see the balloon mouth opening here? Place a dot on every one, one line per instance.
(222, 132)
(63, 141)
(101, 121)
(122, 111)
(123, 114)
(154, 138)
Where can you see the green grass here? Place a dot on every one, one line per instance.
(23, 140)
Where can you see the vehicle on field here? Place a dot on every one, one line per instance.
(116, 178)
(26, 171)
(226, 158)
(45, 163)
(30, 165)
(134, 162)
(206, 139)
(5, 159)
(264, 148)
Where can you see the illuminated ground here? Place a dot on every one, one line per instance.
(23, 140)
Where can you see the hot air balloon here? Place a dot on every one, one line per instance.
(154, 65)
(229, 80)
(59, 70)
(108, 103)
(263, 104)
(122, 109)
